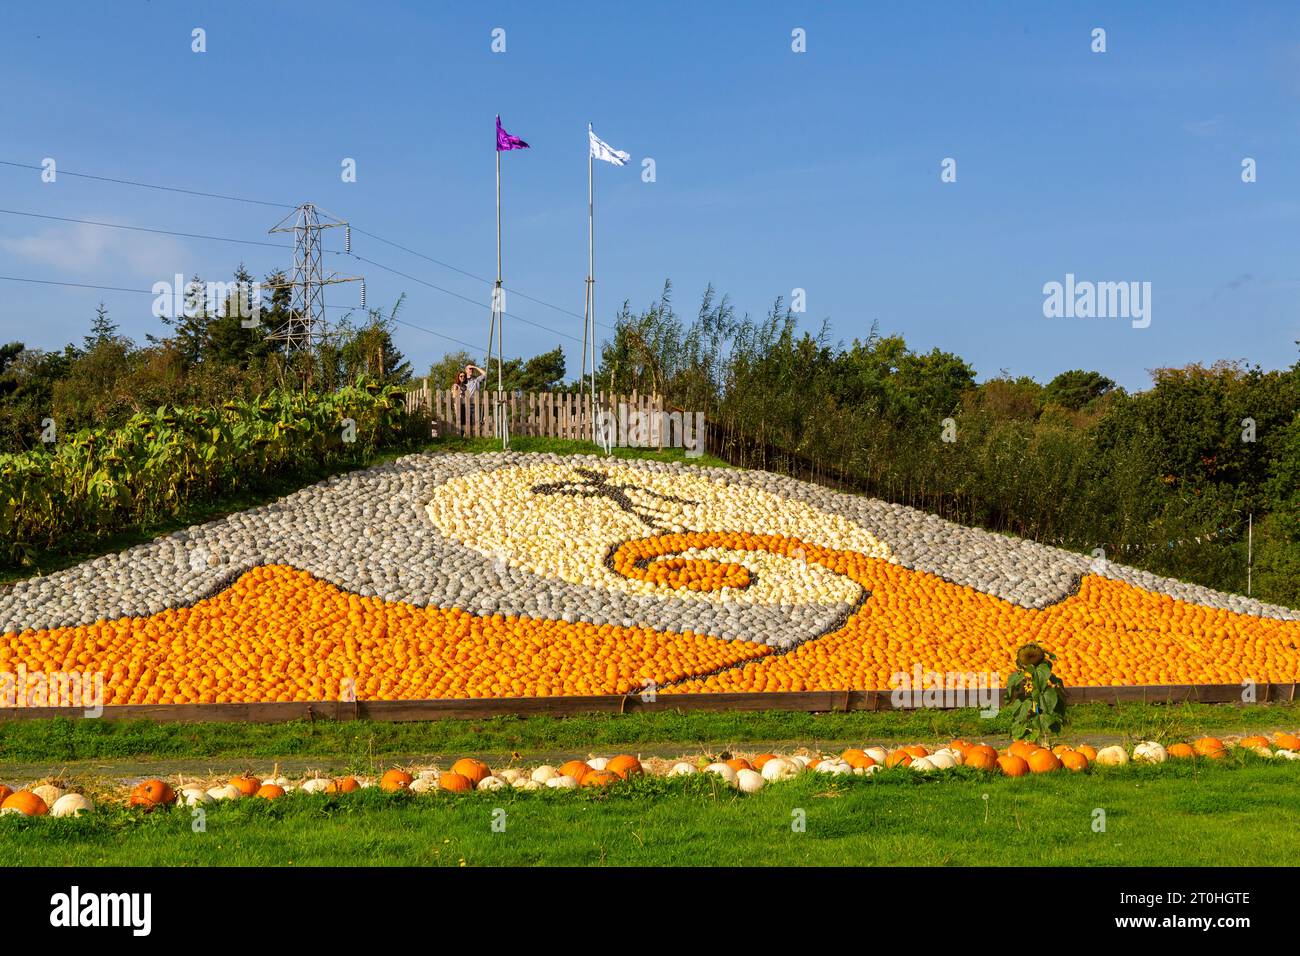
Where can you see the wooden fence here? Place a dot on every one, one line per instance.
(532, 414)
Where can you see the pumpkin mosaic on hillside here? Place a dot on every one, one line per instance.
(511, 575)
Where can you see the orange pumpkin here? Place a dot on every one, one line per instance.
(1211, 747)
(343, 785)
(1013, 766)
(25, 802)
(959, 745)
(739, 763)
(395, 780)
(456, 782)
(472, 770)
(1286, 741)
(599, 778)
(269, 791)
(916, 750)
(856, 758)
(981, 758)
(625, 765)
(1022, 749)
(577, 769)
(761, 759)
(898, 758)
(4, 792)
(152, 793)
(1062, 749)
(1088, 750)
(1043, 761)
(1073, 760)
(1181, 751)
(246, 785)
(1255, 741)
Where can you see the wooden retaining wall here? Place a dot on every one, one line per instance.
(807, 702)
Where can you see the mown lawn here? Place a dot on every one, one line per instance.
(359, 744)
(1241, 812)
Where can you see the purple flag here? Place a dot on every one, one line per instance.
(506, 141)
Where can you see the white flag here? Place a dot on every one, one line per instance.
(602, 150)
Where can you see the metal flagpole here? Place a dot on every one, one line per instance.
(589, 322)
(498, 325)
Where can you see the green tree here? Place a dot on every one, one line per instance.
(102, 329)
(1076, 389)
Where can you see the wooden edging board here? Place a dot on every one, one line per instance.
(808, 702)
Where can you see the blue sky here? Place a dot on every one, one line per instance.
(775, 170)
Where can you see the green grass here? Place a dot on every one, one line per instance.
(564, 446)
(353, 743)
(75, 550)
(1237, 813)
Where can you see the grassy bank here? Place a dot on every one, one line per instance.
(1235, 814)
(64, 740)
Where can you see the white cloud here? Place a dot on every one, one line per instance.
(81, 249)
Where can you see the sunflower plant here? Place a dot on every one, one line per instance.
(1035, 696)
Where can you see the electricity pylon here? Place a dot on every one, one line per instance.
(306, 324)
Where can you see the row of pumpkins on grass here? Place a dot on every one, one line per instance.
(749, 775)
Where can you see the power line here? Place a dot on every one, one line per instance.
(259, 202)
(277, 245)
(112, 288)
(161, 232)
(405, 275)
(132, 182)
(471, 275)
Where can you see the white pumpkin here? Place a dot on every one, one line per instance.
(801, 760)
(227, 791)
(563, 782)
(194, 796)
(491, 782)
(529, 784)
(315, 785)
(1287, 754)
(510, 774)
(836, 768)
(72, 804)
(749, 781)
(276, 782)
(598, 763)
(779, 768)
(49, 793)
(878, 754)
(942, 760)
(866, 771)
(1112, 756)
(923, 764)
(1149, 752)
(429, 773)
(423, 785)
(544, 773)
(723, 771)
(682, 769)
